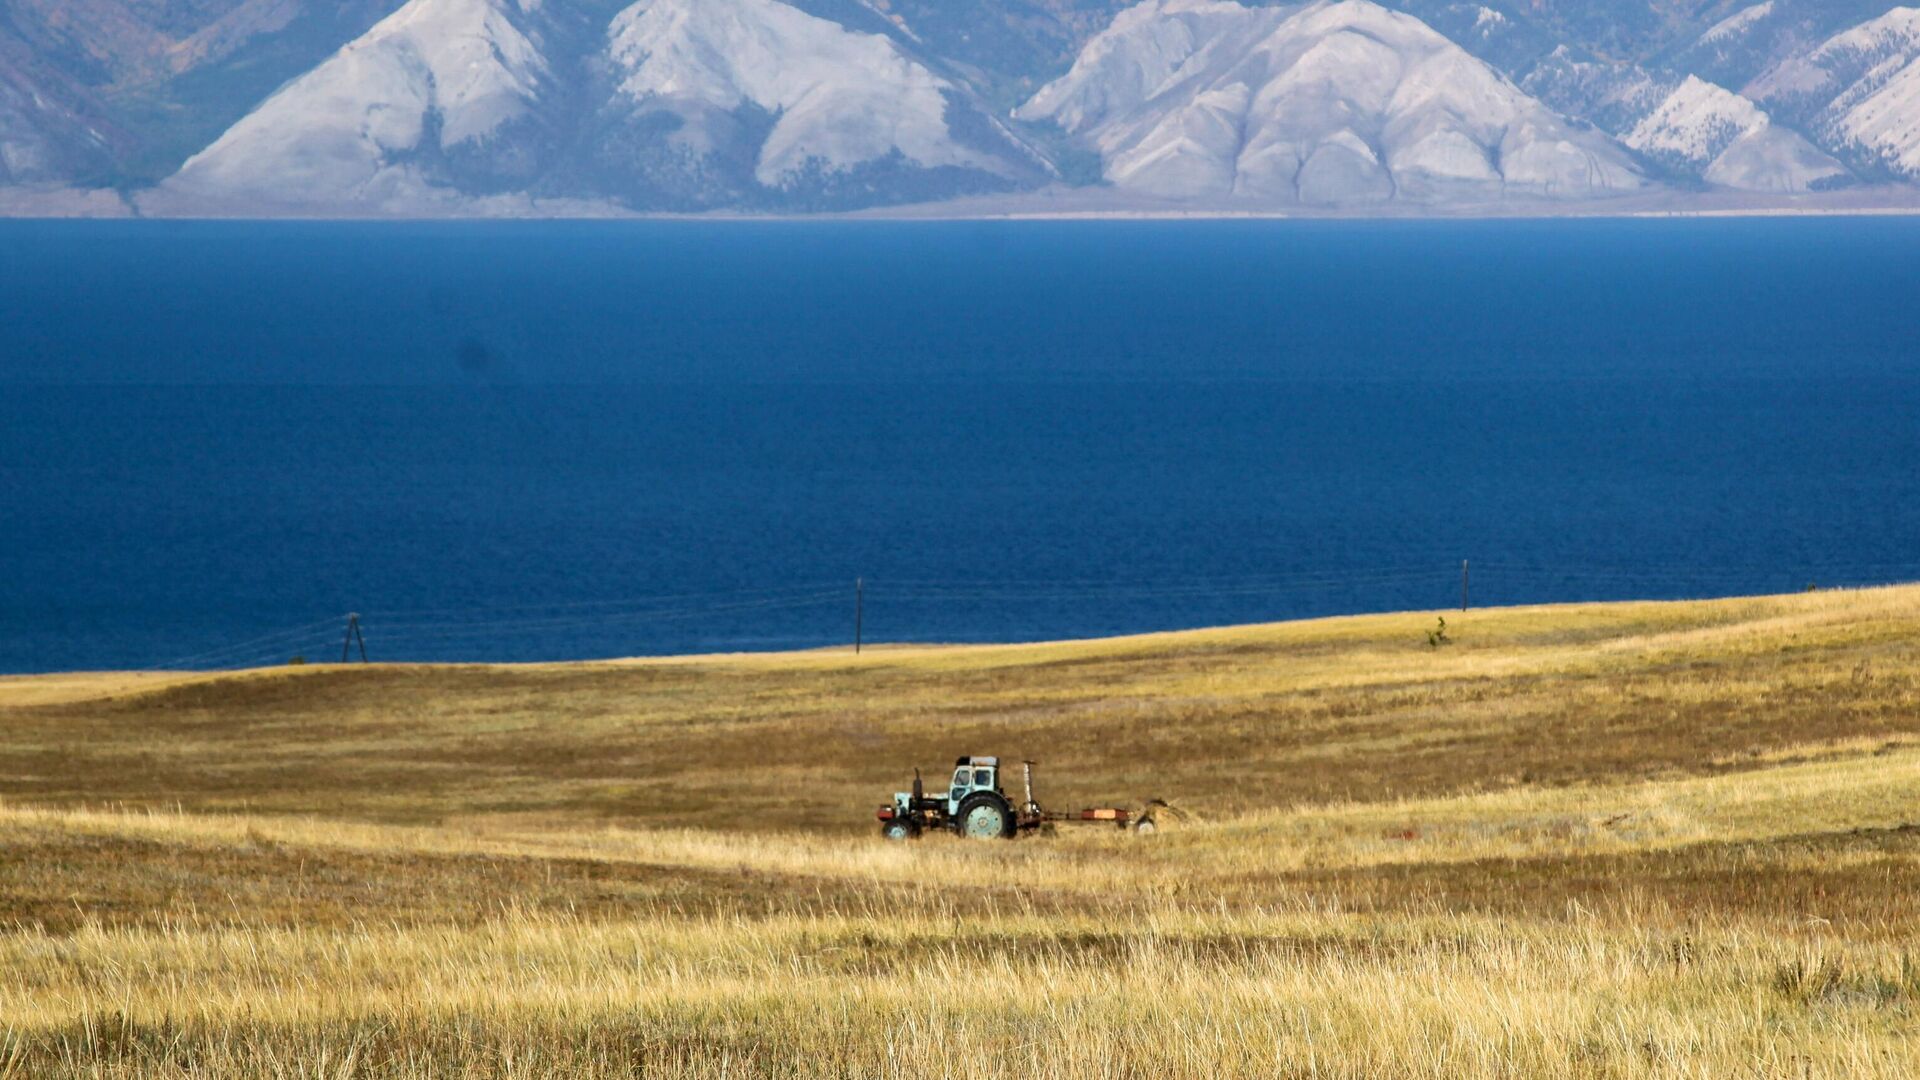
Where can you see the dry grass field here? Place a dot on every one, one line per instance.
(1629, 840)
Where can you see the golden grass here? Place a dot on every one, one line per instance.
(890, 993)
(1636, 840)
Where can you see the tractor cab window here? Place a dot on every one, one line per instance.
(983, 778)
(962, 779)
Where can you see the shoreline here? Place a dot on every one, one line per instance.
(18, 688)
(1888, 201)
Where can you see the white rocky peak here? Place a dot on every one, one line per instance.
(1697, 121)
(1885, 121)
(1867, 84)
(1326, 102)
(1891, 38)
(1731, 140)
(708, 102)
(485, 66)
(839, 97)
(1898, 29)
(452, 71)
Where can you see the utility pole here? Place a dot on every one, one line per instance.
(1463, 584)
(353, 635)
(859, 611)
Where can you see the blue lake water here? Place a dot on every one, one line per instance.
(532, 441)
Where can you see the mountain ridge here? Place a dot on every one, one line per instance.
(485, 107)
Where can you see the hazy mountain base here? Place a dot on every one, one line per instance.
(1058, 201)
(634, 161)
(62, 202)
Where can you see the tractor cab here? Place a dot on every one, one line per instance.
(972, 774)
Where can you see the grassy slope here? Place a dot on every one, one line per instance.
(1608, 840)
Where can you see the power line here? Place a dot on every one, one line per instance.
(389, 615)
(250, 646)
(446, 631)
(988, 593)
(1328, 573)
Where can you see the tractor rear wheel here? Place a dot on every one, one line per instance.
(986, 817)
(899, 829)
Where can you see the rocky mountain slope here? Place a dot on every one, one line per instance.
(156, 80)
(49, 132)
(1729, 141)
(670, 104)
(1745, 42)
(581, 106)
(1859, 91)
(816, 107)
(453, 84)
(1328, 104)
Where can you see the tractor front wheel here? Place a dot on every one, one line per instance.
(985, 817)
(899, 829)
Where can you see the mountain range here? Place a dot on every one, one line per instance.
(581, 107)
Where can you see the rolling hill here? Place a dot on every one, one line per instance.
(1568, 835)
